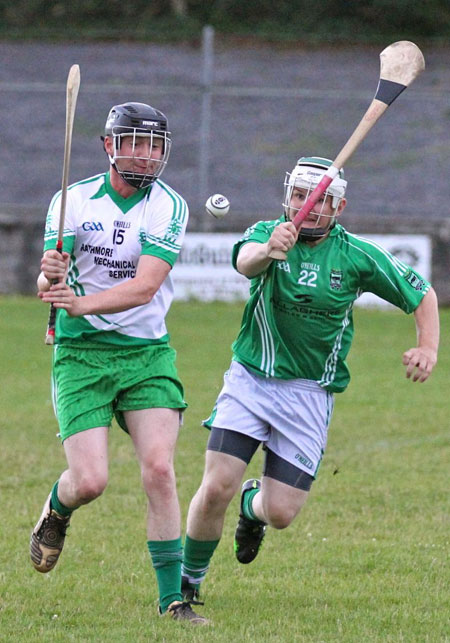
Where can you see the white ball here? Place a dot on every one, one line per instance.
(217, 206)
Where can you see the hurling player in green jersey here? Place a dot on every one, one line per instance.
(288, 361)
(112, 289)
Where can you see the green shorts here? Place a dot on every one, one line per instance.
(90, 385)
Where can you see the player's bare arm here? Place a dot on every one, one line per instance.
(254, 258)
(420, 361)
(150, 274)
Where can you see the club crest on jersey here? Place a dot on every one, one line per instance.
(248, 232)
(174, 230)
(414, 280)
(336, 279)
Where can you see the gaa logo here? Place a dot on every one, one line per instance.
(91, 225)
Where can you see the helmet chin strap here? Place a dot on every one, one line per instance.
(312, 234)
(113, 164)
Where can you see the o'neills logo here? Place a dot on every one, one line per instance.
(336, 279)
(304, 460)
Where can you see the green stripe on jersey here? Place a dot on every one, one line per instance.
(298, 320)
(179, 216)
(50, 241)
(162, 253)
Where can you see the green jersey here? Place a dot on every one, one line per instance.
(298, 321)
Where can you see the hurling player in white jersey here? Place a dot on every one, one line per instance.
(289, 360)
(112, 289)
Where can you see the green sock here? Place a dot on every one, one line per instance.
(57, 505)
(166, 557)
(247, 508)
(196, 559)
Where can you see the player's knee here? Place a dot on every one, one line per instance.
(218, 490)
(90, 486)
(280, 517)
(157, 474)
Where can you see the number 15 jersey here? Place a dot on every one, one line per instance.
(105, 234)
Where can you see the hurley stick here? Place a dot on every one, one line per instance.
(400, 64)
(73, 85)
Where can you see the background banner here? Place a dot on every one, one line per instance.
(203, 270)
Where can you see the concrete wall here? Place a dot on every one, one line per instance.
(236, 131)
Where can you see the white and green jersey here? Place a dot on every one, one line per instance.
(105, 235)
(298, 321)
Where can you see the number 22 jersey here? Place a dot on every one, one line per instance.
(298, 320)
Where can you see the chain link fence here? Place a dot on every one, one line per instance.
(240, 117)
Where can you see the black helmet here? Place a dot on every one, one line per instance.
(137, 120)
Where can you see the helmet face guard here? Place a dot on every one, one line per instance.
(306, 175)
(153, 168)
(135, 121)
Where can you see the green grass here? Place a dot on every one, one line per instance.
(364, 562)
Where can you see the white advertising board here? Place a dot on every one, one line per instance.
(203, 270)
(412, 249)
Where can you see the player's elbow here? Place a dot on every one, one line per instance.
(143, 293)
(253, 259)
(428, 309)
(143, 298)
(242, 268)
(245, 266)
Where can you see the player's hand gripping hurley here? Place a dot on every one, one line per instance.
(73, 85)
(400, 64)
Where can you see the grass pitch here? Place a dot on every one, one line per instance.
(364, 562)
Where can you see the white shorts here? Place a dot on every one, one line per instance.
(291, 417)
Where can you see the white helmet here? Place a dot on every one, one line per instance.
(306, 174)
